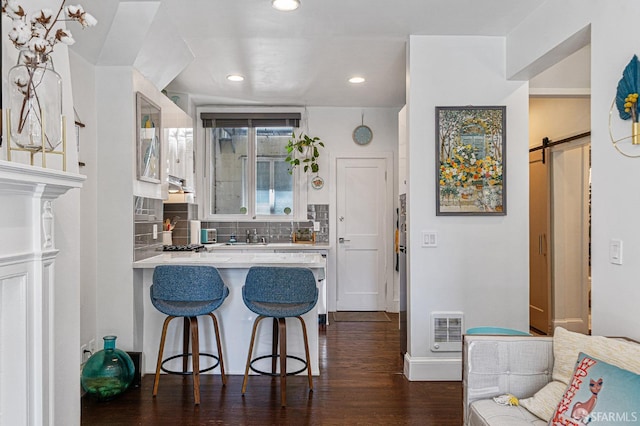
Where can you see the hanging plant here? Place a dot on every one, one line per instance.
(303, 150)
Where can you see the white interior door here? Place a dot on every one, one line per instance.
(361, 260)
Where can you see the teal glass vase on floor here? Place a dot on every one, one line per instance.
(108, 372)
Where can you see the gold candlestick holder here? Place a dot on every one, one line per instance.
(635, 133)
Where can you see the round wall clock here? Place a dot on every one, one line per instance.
(362, 134)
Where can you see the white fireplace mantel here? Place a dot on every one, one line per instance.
(27, 275)
(16, 178)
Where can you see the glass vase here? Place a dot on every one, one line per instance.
(108, 372)
(35, 100)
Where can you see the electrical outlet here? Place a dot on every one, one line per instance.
(82, 349)
(87, 350)
(316, 226)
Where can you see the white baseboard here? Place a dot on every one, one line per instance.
(433, 369)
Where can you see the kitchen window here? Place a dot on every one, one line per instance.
(247, 176)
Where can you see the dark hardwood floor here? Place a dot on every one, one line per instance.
(360, 383)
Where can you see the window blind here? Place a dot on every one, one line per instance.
(230, 119)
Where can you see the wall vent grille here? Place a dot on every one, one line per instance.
(446, 331)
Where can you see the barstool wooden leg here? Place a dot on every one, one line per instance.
(274, 346)
(282, 322)
(156, 381)
(185, 343)
(253, 337)
(217, 332)
(306, 351)
(195, 359)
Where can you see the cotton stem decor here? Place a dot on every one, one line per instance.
(35, 89)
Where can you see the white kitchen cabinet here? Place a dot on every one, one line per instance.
(188, 160)
(178, 134)
(176, 151)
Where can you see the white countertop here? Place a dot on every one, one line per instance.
(269, 246)
(234, 260)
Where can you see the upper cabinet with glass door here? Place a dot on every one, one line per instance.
(179, 136)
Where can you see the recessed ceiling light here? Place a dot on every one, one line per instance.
(356, 80)
(285, 5)
(235, 77)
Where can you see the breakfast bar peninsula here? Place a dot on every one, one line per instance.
(235, 319)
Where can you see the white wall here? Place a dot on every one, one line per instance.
(117, 185)
(615, 289)
(532, 48)
(480, 266)
(558, 118)
(84, 101)
(115, 173)
(569, 77)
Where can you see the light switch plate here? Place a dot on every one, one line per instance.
(429, 239)
(316, 226)
(155, 231)
(615, 252)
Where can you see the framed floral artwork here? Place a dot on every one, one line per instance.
(148, 139)
(471, 160)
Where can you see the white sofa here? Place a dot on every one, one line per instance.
(498, 365)
(524, 367)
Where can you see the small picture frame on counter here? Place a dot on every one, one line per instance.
(304, 236)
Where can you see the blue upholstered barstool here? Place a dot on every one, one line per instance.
(279, 293)
(188, 291)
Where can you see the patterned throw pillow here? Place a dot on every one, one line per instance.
(567, 345)
(600, 393)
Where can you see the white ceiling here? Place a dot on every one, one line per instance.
(288, 58)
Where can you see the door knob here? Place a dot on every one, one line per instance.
(342, 240)
(341, 218)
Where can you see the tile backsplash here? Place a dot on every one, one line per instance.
(147, 213)
(320, 213)
(274, 232)
(185, 212)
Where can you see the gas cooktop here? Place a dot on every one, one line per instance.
(185, 247)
